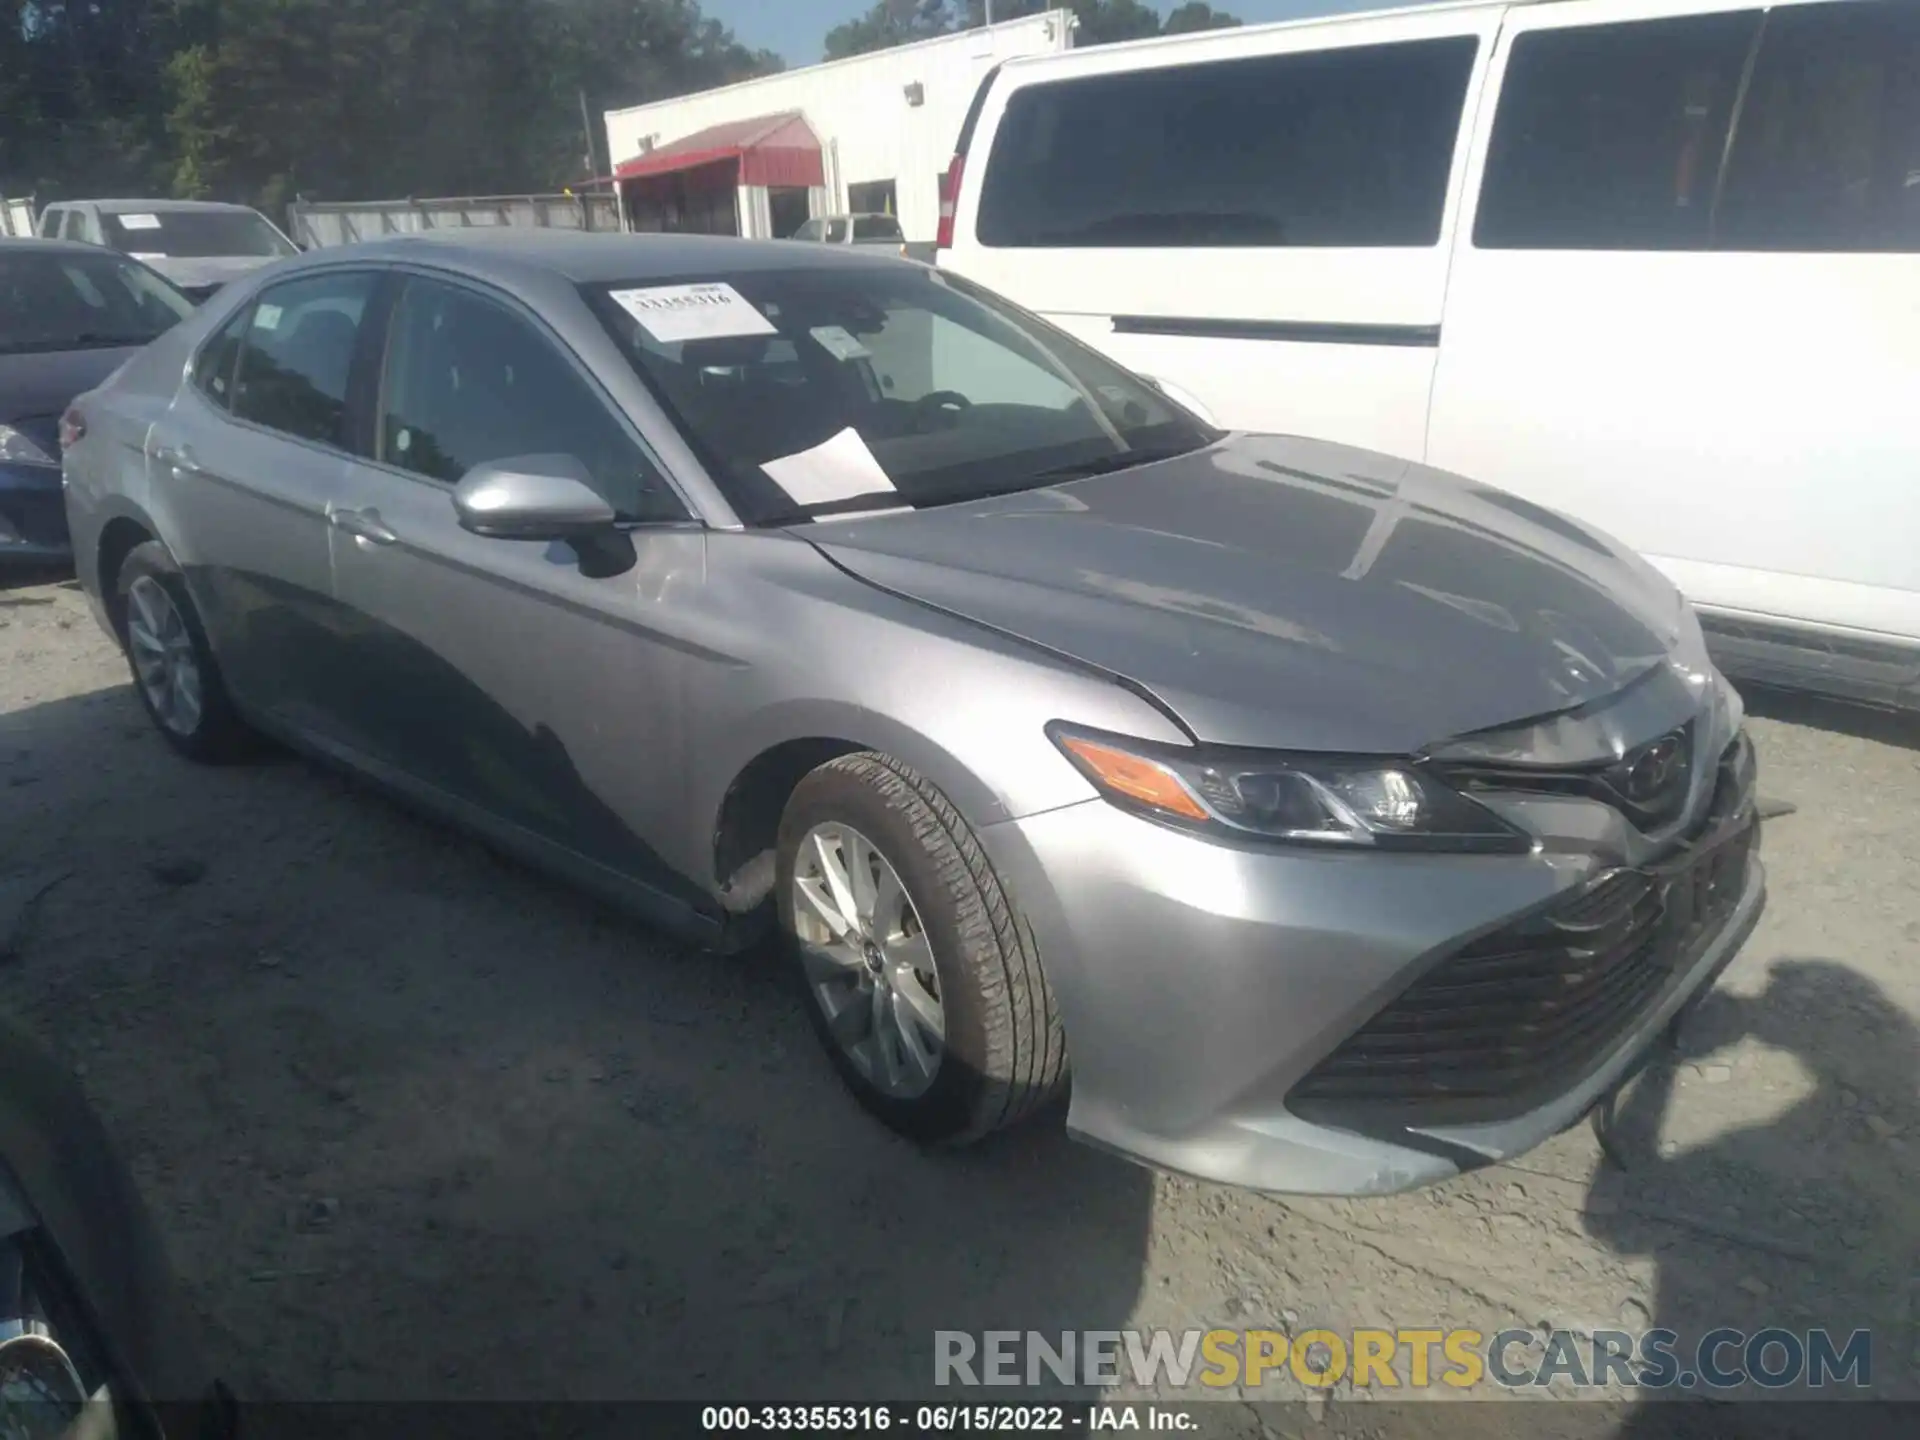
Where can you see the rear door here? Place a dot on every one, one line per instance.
(1260, 218)
(245, 464)
(494, 672)
(1687, 303)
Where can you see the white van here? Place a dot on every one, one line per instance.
(1655, 263)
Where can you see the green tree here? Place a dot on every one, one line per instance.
(1101, 22)
(887, 24)
(1196, 15)
(376, 99)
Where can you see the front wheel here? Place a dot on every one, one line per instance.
(921, 979)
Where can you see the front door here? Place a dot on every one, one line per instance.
(245, 464)
(494, 672)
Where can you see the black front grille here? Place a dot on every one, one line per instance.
(1650, 784)
(1524, 1012)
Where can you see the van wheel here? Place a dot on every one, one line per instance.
(921, 979)
(174, 672)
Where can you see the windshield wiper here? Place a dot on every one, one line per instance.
(1108, 464)
(850, 505)
(98, 339)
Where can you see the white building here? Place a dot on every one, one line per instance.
(870, 133)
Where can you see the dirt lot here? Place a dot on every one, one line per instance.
(419, 1123)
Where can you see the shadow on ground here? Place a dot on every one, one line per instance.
(1830, 1164)
(420, 1124)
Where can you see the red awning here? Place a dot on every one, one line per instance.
(771, 149)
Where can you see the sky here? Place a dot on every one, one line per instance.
(796, 29)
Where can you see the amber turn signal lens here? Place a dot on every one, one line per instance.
(1134, 777)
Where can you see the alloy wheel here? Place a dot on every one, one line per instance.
(868, 963)
(163, 656)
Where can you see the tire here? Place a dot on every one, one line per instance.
(1003, 1053)
(214, 733)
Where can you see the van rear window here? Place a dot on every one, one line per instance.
(1345, 148)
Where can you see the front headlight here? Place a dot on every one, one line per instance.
(1310, 799)
(19, 448)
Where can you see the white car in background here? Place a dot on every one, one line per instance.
(882, 231)
(199, 245)
(1652, 263)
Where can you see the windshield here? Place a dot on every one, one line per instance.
(195, 234)
(71, 300)
(875, 227)
(922, 389)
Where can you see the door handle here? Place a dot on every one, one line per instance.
(362, 525)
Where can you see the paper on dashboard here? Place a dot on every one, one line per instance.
(836, 469)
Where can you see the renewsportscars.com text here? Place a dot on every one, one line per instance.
(1412, 1359)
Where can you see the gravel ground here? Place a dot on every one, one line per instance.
(419, 1123)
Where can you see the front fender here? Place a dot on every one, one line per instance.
(987, 750)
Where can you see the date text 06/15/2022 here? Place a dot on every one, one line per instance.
(945, 1419)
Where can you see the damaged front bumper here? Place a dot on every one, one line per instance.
(1253, 1015)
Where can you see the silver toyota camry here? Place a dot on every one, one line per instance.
(1336, 825)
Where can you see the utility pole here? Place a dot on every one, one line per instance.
(586, 129)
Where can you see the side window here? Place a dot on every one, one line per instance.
(1609, 137)
(1827, 153)
(50, 221)
(297, 353)
(836, 232)
(468, 381)
(213, 370)
(1348, 147)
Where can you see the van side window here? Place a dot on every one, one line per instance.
(1827, 152)
(1348, 148)
(1609, 137)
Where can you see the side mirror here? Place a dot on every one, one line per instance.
(531, 497)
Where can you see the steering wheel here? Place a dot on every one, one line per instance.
(950, 404)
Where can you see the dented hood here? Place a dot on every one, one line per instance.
(1287, 593)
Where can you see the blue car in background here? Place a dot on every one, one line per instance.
(70, 315)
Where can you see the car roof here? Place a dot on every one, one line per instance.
(149, 207)
(590, 258)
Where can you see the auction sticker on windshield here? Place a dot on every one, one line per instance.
(672, 313)
(139, 222)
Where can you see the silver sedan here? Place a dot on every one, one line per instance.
(1337, 824)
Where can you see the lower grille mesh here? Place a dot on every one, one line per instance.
(1530, 1007)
